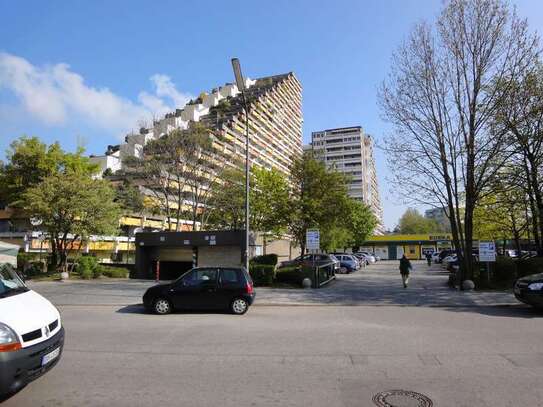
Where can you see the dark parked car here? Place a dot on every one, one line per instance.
(310, 260)
(203, 288)
(529, 290)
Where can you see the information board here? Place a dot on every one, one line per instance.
(487, 251)
(312, 239)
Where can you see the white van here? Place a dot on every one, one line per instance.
(31, 333)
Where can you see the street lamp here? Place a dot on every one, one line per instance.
(241, 87)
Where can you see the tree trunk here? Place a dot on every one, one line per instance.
(536, 213)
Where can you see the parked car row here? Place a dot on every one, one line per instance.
(343, 262)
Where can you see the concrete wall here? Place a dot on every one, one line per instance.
(219, 256)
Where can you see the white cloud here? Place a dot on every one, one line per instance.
(165, 88)
(55, 95)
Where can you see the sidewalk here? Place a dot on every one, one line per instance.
(377, 285)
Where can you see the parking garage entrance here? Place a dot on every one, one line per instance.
(170, 254)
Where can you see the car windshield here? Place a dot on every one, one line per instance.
(10, 283)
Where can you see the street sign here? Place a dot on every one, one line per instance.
(487, 251)
(312, 239)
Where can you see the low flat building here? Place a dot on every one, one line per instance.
(170, 254)
(393, 247)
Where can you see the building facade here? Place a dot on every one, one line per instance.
(275, 123)
(275, 130)
(349, 150)
(393, 247)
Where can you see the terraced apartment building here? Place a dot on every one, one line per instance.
(350, 150)
(275, 127)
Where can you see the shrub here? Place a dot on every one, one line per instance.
(265, 259)
(530, 266)
(87, 267)
(262, 274)
(504, 270)
(294, 275)
(35, 268)
(23, 259)
(114, 272)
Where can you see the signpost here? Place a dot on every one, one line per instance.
(487, 251)
(312, 243)
(312, 239)
(487, 254)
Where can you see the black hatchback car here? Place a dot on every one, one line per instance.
(208, 288)
(529, 290)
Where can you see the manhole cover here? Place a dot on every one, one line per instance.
(401, 398)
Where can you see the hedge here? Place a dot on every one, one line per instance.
(530, 266)
(294, 274)
(265, 259)
(262, 274)
(114, 272)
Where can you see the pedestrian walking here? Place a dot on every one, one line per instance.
(405, 268)
(429, 258)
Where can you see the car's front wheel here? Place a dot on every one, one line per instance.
(239, 306)
(162, 306)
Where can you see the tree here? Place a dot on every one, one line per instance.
(72, 206)
(502, 214)
(227, 202)
(412, 222)
(178, 169)
(269, 202)
(129, 197)
(522, 118)
(352, 228)
(445, 86)
(29, 161)
(318, 200)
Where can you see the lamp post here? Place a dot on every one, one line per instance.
(241, 87)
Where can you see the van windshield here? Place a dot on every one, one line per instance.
(10, 283)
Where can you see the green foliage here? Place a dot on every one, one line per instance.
(529, 266)
(293, 275)
(72, 206)
(172, 164)
(504, 270)
(88, 267)
(73, 203)
(500, 214)
(227, 202)
(412, 222)
(129, 197)
(262, 274)
(270, 259)
(269, 201)
(114, 272)
(29, 161)
(319, 199)
(24, 259)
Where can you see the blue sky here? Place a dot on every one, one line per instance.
(83, 72)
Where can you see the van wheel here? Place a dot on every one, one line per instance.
(162, 306)
(239, 306)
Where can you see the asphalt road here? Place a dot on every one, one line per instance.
(329, 355)
(378, 284)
